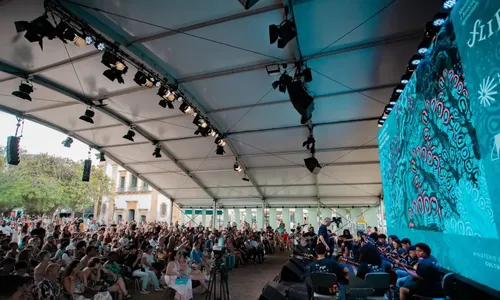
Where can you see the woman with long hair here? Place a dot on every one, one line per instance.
(74, 283)
(177, 279)
(44, 259)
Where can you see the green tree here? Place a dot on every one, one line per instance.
(41, 183)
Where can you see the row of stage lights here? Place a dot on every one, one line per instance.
(73, 30)
(431, 29)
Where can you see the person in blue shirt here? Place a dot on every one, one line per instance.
(323, 233)
(196, 254)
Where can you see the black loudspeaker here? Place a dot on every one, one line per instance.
(248, 3)
(297, 262)
(300, 99)
(87, 167)
(273, 291)
(290, 272)
(12, 150)
(312, 165)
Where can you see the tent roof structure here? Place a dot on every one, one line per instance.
(218, 52)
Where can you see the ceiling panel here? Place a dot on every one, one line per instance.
(282, 176)
(239, 202)
(352, 156)
(172, 128)
(5, 76)
(259, 117)
(111, 136)
(193, 203)
(222, 179)
(68, 117)
(221, 162)
(350, 174)
(350, 190)
(133, 153)
(193, 148)
(342, 16)
(346, 135)
(155, 167)
(245, 88)
(269, 141)
(181, 52)
(141, 105)
(290, 191)
(170, 180)
(186, 193)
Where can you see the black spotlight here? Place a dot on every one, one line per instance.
(307, 74)
(237, 167)
(130, 135)
(283, 33)
(199, 121)
(67, 142)
(36, 30)
(87, 117)
(220, 142)
(143, 80)
(25, 89)
(157, 152)
(312, 165)
(67, 34)
(164, 103)
(116, 67)
(102, 157)
(204, 131)
(405, 78)
(283, 82)
(167, 95)
(186, 108)
(220, 150)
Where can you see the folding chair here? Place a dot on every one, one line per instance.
(323, 280)
(378, 281)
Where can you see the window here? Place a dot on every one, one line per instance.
(143, 218)
(145, 186)
(163, 209)
(133, 181)
(118, 218)
(122, 182)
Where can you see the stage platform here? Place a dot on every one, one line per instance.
(244, 283)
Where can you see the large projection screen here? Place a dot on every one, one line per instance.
(433, 170)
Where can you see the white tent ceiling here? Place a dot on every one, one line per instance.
(218, 53)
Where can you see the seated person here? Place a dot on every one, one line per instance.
(382, 242)
(50, 287)
(15, 287)
(147, 264)
(7, 266)
(74, 284)
(370, 261)
(328, 265)
(113, 274)
(178, 280)
(426, 281)
(91, 276)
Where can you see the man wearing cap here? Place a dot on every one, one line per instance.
(323, 233)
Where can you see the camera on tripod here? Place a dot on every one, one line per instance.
(218, 254)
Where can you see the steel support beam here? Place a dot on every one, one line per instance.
(83, 100)
(392, 39)
(81, 139)
(341, 164)
(161, 67)
(230, 134)
(276, 186)
(366, 147)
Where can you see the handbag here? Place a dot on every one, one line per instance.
(181, 280)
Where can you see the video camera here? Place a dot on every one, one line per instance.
(337, 221)
(218, 252)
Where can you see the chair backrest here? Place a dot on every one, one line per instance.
(378, 280)
(324, 280)
(449, 284)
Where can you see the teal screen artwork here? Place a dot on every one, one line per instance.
(434, 172)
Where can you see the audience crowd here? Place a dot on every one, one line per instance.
(49, 259)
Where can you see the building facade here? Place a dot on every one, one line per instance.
(133, 199)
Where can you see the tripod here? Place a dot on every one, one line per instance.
(219, 270)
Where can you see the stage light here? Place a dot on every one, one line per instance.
(36, 30)
(220, 142)
(449, 4)
(399, 88)
(273, 70)
(388, 108)
(198, 121)
(24, 91)
(67, 34)
(89, 40)
(185, 108)
(312, 165)
(117, 67)
(237, 167)
(283, 33)
(157, 152)
(283, 82)
(415, 60)
(143, 80)
(202, 130)
(405, 79)
(164, 103)
(220, 150)
(245, 178)
(87, 117)
(101, 46)
(102, 157)
(394, 98)
(130, 135)
(307, 75)
(380, 122)
(212, 132)
(439, 19)
(424, 46)
(67, 142)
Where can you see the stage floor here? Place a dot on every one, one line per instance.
(244, 283)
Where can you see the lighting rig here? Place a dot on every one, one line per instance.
(58, 22)
(430, 32)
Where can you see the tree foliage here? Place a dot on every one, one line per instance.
(41, 183)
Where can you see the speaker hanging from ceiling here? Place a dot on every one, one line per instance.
(12, 150)
(87, 167)
(301, 100)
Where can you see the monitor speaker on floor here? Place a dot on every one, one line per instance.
(291, 272)
(273, 291)
(297, 262)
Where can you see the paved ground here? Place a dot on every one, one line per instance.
(244, 283)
